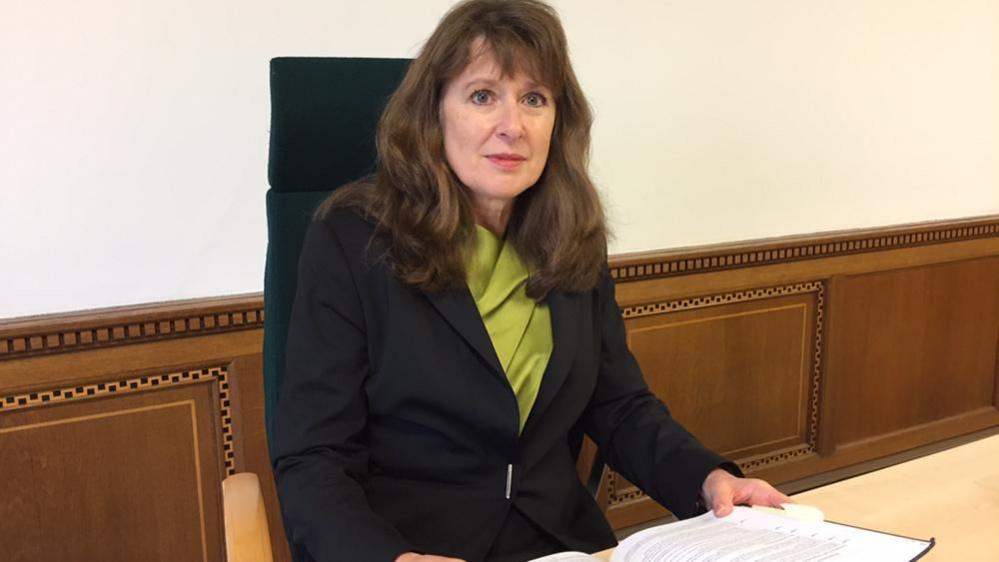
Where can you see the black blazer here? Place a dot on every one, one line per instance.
(397, 429)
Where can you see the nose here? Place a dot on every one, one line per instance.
(511, 124)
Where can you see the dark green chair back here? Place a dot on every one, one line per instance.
(323, 117)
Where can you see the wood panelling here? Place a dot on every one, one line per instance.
(915, 346)
(83, 471)
(759, 376)
(902, 349)
(128, 325)
(118, 446)
(800, 358)
(718, 257)
(748, 359)
(250, 441)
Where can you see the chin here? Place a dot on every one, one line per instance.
(505, 191)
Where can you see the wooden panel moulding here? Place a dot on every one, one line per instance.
(914, 347)
(719, 257)
(741, 370)
(754, 356)
(123, 470)
(208, 347)
(59, 333)
(217, 375)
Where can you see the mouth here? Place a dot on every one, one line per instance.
(506, 161)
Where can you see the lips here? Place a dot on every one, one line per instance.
(506, 161)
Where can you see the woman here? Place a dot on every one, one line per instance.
(455, 331)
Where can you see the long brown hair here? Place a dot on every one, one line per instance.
(423, 213)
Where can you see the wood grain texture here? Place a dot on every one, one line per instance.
(759, 376)
(909, 499)
(250, 443)
(246, 527)
(917, 345)
(748, 360)
(120, 450)
(897, 500)
(134, 478)
(905, 353)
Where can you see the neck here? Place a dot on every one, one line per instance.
(495, 217)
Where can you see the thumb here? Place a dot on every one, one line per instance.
(722, 507)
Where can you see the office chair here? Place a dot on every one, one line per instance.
(323, 117)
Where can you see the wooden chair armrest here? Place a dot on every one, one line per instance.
(247, 538)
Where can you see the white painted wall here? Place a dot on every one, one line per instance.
(133, 135)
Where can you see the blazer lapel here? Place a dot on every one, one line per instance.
(564, 312)
(458, 308)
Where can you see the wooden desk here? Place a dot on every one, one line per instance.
(952, 495)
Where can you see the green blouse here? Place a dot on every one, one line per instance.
(519, 327)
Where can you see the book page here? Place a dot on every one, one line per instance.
(754, 536)
(567, 557)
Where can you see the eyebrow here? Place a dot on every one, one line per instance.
(531, 84)
(476, 81)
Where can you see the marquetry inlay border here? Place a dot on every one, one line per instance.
(753, 463)
(703, 260)
(150, 324)
(137, 384)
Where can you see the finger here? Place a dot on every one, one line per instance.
(722, 509)
(721, 506)
(720, 501)
(759, 492)
(777, 497)
(774, 499)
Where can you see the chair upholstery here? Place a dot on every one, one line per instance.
(324, 112)
(323, 117)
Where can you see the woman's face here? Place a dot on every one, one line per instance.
(497, 131)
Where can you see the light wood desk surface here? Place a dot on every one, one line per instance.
(952, 495)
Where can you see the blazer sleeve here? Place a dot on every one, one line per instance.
(319, 453)
(634, 429)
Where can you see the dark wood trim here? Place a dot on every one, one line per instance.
(718, 257)
(110, 327)
(839, 474)
(995, 401)
(826, 441)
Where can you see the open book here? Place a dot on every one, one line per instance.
(796, 533)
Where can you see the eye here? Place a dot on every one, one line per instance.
(535, 99)
(480, 97)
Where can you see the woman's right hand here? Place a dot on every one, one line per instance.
(414, 557)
